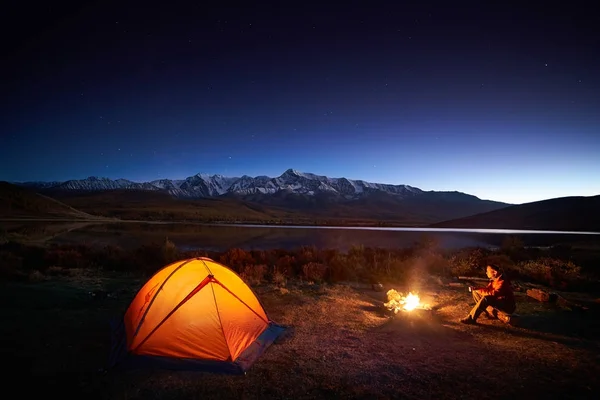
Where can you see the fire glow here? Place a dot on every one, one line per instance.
(398, 302)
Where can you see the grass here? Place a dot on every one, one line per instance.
(56, 336)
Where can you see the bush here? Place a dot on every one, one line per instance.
(278, 278)
(338, 269)
(236, 259)
(170, 253)
(551, 271)
(466, 262)
(253, 274)
(65, 257)
(314, 272)
(278, 266)
(11, 265)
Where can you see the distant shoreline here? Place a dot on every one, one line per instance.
(313, 226)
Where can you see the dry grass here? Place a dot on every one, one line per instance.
(343, 346)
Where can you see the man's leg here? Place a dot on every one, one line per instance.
(480, 307)
(477, 297)
(504, 306)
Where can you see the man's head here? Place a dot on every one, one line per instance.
(492, 271)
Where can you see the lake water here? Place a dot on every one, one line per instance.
(221, 237)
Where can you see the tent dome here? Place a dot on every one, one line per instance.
(196, 314)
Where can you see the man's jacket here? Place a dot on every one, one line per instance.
(500, 289)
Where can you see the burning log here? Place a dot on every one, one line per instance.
(407, 305)
(396, 301)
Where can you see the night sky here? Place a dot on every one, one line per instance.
(496, 100)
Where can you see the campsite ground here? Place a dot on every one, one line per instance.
(55, 338)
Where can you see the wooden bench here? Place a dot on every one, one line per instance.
(511, 319)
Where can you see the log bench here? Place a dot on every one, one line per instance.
(510, 319)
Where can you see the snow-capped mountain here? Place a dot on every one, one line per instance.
(204, 185)
(302, 194)
(93, 183)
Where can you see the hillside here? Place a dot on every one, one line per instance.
(282, 207)
(19, 202)
(294, 197)
(131, 204)
(565, 214)
(382, 207)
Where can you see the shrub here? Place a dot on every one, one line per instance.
(253, 274)
(236, 259)
(35, 276)
(551, 271)
(11, 265)
(170, 253)
(466, 262)
(286, 265)
(338, 269)
(65, 257)
(314, 272)
(278, 278)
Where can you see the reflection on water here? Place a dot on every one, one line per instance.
(222, 237)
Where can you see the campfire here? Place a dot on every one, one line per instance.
(397, 302)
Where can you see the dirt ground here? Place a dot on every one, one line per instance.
(56, 339)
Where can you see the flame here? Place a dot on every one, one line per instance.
(411, 302)
(396, 301)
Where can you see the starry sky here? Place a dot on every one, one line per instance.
(493, 99)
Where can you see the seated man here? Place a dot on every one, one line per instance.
(498, 294)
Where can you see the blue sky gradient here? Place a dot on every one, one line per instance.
(497, 101)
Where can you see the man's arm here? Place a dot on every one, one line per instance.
(487, 290)
(496, 289)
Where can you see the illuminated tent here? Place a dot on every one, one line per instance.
(194, 314)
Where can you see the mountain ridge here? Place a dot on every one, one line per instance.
(205, 185)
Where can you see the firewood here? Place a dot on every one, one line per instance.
(473, 278)
(539, 295)
(510, 319)
(562, 302)
(378, 287)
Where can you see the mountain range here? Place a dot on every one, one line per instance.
(292, 198)
(204, 185)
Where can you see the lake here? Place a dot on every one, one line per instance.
(188, 236)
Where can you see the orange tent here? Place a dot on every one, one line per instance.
(194, 314)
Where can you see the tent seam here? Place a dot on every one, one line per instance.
(253, 292)
(137, 329)
(242, 301)
(220, 321)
